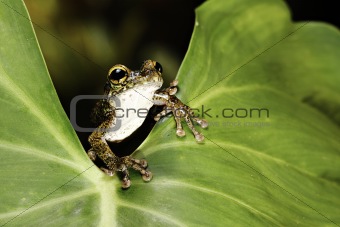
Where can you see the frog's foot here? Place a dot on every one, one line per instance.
(108, 172)
(172, 90)
(188, 119)
(92, 155)
(136, 164)
(181, 111)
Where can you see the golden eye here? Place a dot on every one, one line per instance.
(117, 74)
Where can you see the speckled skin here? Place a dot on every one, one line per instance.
(103, 115)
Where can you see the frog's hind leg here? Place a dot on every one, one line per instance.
(138, 165)
(108, 172)
(113, 163)
(141, 165)
(126, 183)
(92, 154)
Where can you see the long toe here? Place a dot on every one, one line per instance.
(180, 132)
(199, 137)
(203, 123)
(143, 163)
(147, 176)
(126, 183)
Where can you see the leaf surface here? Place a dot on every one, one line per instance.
(270, 89)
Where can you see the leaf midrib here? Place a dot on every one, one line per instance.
(155, 213)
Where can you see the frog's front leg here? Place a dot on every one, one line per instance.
(114, 163)
(180, 111)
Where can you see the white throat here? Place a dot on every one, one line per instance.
(130, 115)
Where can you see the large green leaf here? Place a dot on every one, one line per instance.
(278, 170)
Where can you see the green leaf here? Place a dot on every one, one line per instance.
(45, 174)
(282, 169)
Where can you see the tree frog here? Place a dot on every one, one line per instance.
(135, 90)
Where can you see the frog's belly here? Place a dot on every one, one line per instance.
(130, 112)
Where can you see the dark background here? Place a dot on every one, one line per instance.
(82, 39)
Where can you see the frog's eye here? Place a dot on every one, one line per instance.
(158, 67)
(117, 74)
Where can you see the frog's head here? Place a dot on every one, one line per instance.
(120, 78)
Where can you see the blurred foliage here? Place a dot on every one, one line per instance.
(81, 40)
(87, 37)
